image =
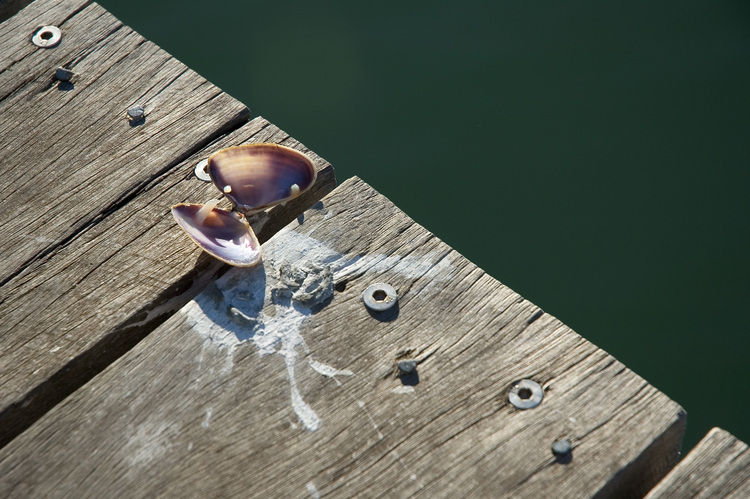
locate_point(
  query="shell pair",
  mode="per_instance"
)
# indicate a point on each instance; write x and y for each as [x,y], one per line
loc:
[254,177]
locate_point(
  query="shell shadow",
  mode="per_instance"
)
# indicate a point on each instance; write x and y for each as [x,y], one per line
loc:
[240,315]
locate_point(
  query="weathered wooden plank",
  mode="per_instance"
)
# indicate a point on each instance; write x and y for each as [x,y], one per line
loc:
[69,155]
[71,313]
[718,467]
[277,382]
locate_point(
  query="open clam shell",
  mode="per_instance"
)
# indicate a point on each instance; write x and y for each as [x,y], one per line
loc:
[223,234]
[257,176]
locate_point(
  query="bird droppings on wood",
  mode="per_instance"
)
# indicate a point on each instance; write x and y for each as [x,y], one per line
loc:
[205,423]
[268,304]
[328,371]
[403,389]
[312,490]
[309,284]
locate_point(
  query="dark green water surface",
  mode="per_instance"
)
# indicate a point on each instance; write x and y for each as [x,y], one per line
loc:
[593,156]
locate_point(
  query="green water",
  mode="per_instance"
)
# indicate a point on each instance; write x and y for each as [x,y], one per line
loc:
[593,157]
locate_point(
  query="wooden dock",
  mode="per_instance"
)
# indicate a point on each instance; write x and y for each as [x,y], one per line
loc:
[134,365]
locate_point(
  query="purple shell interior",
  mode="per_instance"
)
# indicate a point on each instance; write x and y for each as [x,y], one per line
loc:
[222,234]
[260,175]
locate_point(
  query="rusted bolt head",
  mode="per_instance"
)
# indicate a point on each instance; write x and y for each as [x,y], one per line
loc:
[63,74]
[561,448]
[136,113]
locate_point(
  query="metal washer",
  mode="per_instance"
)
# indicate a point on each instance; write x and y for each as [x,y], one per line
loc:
[380,297]
[47,37]
[201,170]
[526,394]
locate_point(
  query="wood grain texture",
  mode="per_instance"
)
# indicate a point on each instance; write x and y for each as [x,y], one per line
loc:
[69,155]
[718,467]
[85,197]
[216,401]
[71,313]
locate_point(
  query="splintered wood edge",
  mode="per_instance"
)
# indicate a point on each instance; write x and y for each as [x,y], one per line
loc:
[719,466]
[471,336]
[41,369]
